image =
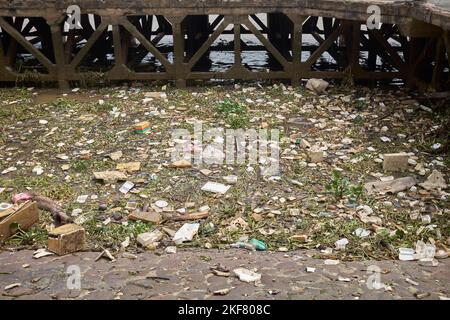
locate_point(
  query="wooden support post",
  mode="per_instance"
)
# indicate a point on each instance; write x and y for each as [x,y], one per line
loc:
[197,32]
[118,53]
[279,28]
[58,49]
[2,58]
[439,65]
[178,51]
[297,48]
[356,32]
[237,45]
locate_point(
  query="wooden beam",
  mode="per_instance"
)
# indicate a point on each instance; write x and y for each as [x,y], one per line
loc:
[24,43]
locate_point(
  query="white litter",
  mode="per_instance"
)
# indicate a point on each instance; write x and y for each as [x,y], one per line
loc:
[246,275]
[341,243]
[82,199]
[186,233]
[331,262]
[406,254]
[215,187]
[127,186]
[11,286]
[41,253]
[171,250]
[362,233]
[161,204]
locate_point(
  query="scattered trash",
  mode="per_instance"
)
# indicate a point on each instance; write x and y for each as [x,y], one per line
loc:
[66,239]
[152,217]
[215,187]
[131,205]
[142,127]
[107,254]
[8,170]
[150,239]
[222,292]
[124,244]
[310,269]
[129,167]
[116,155]
[436,146]
[82,199]
[5,206]
[109,177]
[38,170]
[423,252]
[365,214]
[13,285]
[343,279]
[246,275]
[317,86]
[258,244]
[23,215]
[205,172]
[393,186]
[331,262]
[435,180]
[126,187]
[315,155]
[361,233]
[161,204]
[171,250]
[129,255]
[40,253]
[302,238]
[186,233]
[180,164]
[341,244]
[44,203]
[243,245]
[230,179]
[395,162]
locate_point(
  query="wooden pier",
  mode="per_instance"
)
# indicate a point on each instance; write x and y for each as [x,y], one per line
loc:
[122,41]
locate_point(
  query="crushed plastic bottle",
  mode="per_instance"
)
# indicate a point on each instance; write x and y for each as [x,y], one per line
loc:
[258,244]
[243,245]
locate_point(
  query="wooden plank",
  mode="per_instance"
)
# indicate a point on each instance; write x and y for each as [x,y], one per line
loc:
[270,47]
[66,239]
[324,46]
[25,216]
[200,52]
[88,45]
[147,44]
[27,45]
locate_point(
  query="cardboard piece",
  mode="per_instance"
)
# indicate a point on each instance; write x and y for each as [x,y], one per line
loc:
[66,239]
[25,214]
[152,217]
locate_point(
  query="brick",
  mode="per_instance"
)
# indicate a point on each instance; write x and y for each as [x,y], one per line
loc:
[395,162]
[66,239]
[315,156]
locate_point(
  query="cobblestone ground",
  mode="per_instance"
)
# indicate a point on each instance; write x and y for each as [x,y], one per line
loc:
[187,275]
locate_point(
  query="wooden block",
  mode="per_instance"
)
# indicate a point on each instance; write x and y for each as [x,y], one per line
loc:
[395,162]
[66,239]
[142,127]
[152,217]
[25,215]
